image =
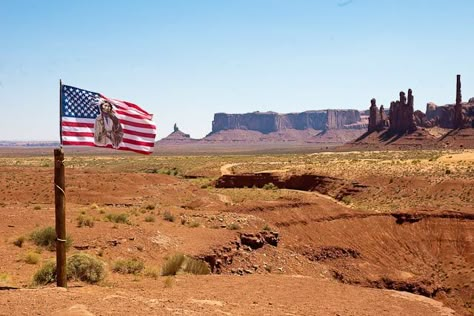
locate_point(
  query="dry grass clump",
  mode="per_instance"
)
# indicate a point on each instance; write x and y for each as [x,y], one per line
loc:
[128,266]
[270,186]
[150,207]
[180,263]
[167,216]
[168,282]
[194,224]
[46,237]
[267,228]
[233,226]
[150,219]
[32,257]
[85,220]
[4,278]
[346,199]
[118,218]
[152,272]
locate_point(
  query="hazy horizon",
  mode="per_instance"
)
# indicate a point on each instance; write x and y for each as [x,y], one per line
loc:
[183,61]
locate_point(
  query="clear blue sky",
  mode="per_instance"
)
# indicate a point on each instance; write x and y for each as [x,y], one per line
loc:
[186,60]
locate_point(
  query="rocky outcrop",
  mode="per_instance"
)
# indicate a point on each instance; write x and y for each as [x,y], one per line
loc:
[334,187]
[403,119]
[257,240]
[377,118]
[401,114]
[268,122]
[177,137]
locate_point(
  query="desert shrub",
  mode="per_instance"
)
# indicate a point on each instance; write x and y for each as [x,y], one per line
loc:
[46,237]
[233,226]
[19,241]
[4,277]
[172,264]
[132,266]
[168,282]
[180,263]
[346,199]
[118,218]
[171,172]
[85,220]
[86,268]
[267,228]
[150,207]
[79,266]
[32,257]
[150,219]
[46,274]
[195,266]
[447,171]
[194,224]
[167,216]
[152,272]
[37,207]
[270,186]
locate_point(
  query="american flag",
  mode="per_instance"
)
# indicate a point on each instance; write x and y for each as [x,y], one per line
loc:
[85,121]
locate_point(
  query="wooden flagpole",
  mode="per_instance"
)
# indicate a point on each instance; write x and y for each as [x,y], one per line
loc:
[60,112]
[60,205]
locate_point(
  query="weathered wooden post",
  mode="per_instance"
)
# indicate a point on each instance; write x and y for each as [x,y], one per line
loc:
[60,208]
[60,203]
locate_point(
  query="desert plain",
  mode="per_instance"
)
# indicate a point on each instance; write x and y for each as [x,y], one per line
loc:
[327,233]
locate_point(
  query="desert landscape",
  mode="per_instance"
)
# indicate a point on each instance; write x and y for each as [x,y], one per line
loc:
[236,158]
[333,233]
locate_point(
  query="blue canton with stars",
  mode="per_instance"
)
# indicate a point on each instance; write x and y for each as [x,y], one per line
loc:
[79,103]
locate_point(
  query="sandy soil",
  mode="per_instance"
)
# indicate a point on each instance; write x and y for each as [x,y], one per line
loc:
[357,257]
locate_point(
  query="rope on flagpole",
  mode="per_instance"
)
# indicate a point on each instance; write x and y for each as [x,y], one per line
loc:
[60,189]
[64,194]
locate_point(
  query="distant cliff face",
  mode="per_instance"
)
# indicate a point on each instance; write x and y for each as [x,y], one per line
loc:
[268,122]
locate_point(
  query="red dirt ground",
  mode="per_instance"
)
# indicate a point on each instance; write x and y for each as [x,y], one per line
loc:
[331,259]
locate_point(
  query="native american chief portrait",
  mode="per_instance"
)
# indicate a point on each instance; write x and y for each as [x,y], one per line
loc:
[107,128]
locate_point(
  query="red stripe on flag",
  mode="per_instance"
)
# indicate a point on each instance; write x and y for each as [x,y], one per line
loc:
[137,116]
[78,134]
[141,125]
[135,133]
[77,124]
[138,143]
[71,143]
[78,143]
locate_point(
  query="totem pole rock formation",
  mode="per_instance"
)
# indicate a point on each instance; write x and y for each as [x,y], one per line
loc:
[373,116]
[377,118]
[401,115]
[458,111]
[403,119]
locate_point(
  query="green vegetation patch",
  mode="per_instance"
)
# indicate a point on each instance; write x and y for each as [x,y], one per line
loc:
[46,237]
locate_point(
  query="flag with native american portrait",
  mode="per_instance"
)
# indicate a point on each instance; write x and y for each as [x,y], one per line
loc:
[92,119]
